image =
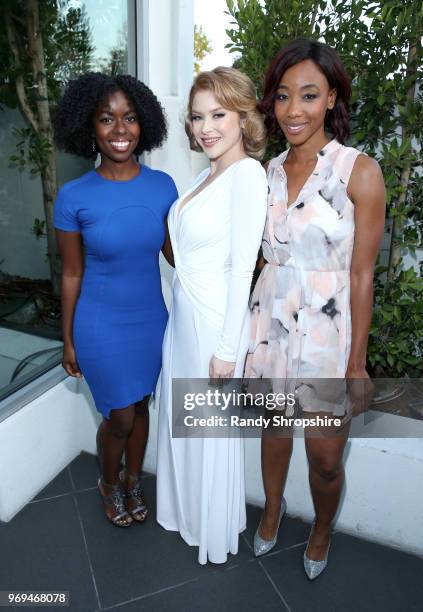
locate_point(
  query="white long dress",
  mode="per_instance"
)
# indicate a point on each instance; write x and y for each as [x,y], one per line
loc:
[215,239]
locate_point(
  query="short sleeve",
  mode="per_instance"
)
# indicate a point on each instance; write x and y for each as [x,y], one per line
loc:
[172,195]
[65,217]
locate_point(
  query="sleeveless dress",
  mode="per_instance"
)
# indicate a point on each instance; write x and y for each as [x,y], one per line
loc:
[120,316]
[215,239]
[301,316]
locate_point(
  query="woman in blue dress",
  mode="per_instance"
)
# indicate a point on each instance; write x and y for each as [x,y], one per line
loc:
[111,226]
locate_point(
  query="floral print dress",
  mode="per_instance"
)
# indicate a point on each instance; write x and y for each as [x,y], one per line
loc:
[301,302]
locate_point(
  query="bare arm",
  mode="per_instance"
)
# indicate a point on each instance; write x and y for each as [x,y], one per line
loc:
[367,191]
[260,259]
[167,248]
[70,246]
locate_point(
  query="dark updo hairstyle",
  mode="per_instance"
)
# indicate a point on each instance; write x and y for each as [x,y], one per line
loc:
[73,121]
[327,60]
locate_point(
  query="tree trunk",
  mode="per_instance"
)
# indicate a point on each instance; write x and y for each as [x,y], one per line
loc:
[48,172]
[49,184]
[314,17]
[398,223]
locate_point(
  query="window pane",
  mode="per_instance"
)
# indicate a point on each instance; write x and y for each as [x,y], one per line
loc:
[78,36]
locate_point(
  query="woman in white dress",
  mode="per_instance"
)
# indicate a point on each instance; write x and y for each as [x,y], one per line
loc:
[215,229]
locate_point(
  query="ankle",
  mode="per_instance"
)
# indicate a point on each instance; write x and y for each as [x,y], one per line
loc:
[321,529]
[272,506]
[131,475]
[109,485]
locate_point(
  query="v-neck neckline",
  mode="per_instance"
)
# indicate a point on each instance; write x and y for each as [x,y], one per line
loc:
[179,208]
[320,156]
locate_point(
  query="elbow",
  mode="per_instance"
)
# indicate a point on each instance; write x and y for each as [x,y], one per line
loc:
[363,275]
[361,283]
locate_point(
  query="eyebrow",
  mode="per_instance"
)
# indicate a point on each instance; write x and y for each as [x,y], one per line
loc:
[108,109]
[212,111]
[303,87]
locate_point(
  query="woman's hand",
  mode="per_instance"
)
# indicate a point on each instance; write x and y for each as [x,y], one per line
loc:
[356,372]
[69,363]
[360,388]
[221,369]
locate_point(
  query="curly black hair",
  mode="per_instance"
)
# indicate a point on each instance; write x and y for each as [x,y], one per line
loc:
[73,121]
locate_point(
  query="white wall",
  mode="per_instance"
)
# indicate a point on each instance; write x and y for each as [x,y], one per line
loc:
[37,442]
[166,65]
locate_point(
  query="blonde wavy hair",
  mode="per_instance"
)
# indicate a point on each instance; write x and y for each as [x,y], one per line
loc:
[235,92]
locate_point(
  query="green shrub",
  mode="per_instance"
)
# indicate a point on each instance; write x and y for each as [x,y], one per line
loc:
[379,42]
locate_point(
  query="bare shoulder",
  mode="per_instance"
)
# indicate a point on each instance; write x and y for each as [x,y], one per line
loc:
[366,178]
[366,166]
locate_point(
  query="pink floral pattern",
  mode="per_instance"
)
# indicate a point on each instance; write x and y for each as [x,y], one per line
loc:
[301,319]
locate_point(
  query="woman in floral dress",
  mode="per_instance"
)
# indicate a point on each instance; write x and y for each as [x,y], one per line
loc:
[313,300]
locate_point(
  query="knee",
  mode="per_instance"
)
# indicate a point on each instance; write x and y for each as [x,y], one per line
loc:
[119,425]
[326,469]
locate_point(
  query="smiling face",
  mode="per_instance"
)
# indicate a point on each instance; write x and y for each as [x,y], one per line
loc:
[216,129]
[302,99]
[116,127]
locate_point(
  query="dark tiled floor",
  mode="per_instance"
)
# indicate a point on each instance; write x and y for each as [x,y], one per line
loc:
[61,541]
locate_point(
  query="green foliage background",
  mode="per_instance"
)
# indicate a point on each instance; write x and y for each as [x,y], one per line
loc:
[67,48]
[202,47]
[380,43]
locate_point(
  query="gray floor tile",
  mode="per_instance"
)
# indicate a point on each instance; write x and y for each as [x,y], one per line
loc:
[140,559]
[244,587]
[148,569]
[60,485]
[43,549]
[360,576]
[85,471]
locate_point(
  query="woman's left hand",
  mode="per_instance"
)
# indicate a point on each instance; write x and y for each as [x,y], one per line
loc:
[219,368]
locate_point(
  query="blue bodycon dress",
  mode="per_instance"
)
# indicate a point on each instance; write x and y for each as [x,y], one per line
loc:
[120,316]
